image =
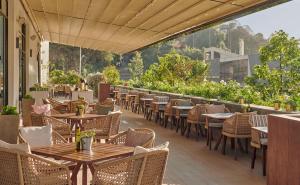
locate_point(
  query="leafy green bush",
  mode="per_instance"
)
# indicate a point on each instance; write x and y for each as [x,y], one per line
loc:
[111,75]
[60,77]
[9,110]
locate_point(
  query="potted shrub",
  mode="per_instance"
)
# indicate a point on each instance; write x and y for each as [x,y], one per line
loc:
[277,104]
[86,138]
[9,124]
[27,103]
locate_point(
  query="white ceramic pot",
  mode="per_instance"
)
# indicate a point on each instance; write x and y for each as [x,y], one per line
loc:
[86,143]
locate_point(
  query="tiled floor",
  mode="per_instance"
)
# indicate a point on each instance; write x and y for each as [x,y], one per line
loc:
[192,163]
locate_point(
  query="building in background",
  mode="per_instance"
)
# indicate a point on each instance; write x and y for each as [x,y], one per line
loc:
[225,65]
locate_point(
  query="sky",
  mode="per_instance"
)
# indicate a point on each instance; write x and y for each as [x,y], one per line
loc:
[284,16]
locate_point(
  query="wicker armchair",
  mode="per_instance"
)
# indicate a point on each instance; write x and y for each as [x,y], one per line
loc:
[180,116]
[73,105]
[22,168]
[141,169]
[106,127]
[170,112]
[155,109]
[237,127]
[258,139]
[59,126]
[58,106]
[195,118]
[67,91]
[158,110]
[120,139]
[146,104]
[137,103]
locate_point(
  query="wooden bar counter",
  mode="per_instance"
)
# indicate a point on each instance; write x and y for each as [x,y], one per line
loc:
[283,158]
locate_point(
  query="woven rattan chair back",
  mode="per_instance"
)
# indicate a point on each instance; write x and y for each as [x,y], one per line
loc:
[238,125]
[11,168]
[115,120]
[140,169]
[195,114]
[22,168]
[73,105]
[211,109]
[168,108]
[38,119]
[258,121]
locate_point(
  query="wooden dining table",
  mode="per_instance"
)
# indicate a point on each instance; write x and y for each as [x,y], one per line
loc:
[261,129]
[83,158]
[217,116]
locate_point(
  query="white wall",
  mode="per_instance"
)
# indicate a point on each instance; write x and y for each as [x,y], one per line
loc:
[16,10]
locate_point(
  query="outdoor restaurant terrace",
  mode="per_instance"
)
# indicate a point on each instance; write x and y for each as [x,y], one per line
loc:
[102,132]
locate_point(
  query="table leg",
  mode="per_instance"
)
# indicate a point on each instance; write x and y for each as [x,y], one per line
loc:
[84,174]
[218,142]
[75,173]
[91,168]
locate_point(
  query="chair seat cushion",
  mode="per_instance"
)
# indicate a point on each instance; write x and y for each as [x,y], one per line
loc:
[37,136]
[140,150]
[135,138]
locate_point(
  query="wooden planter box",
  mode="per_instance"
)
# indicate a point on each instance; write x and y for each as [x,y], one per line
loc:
[9,125]
[26,111]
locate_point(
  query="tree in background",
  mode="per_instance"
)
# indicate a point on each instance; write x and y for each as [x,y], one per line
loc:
[111,75]
[60,77]
[175,69]
[273,81]
[136,66]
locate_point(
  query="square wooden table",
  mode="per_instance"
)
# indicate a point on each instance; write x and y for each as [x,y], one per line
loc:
[181,115]
[222,116]
[84,158]
[261,129]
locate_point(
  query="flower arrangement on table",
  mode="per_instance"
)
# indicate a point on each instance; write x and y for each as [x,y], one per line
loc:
[86,139]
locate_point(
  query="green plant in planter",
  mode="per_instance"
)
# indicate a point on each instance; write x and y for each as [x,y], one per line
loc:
[88,133]
[27,96]
[9,110]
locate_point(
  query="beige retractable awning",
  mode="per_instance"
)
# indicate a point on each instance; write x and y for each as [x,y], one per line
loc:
[121,26]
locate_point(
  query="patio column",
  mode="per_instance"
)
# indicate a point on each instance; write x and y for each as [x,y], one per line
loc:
[13,55]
